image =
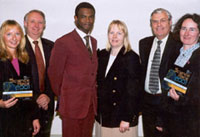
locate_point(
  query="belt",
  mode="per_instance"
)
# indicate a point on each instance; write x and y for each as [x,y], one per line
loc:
[149,94]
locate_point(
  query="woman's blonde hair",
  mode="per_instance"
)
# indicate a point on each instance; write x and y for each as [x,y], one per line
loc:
[21,52]
[122,26]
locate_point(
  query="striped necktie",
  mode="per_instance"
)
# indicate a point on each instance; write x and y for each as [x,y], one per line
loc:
[88,44]
[154,72]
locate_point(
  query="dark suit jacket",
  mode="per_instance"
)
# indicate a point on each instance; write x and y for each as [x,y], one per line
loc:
[183,115]
[47,47]
[17,120]
[144,49]
[118,90]
[73,75]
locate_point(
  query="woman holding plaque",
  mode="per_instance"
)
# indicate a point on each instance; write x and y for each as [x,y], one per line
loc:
[117,78]
[18,117]
[183,107]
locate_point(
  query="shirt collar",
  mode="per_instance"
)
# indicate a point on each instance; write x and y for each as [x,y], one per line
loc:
[31,40]
[190,50]
[81,33]
[163,40]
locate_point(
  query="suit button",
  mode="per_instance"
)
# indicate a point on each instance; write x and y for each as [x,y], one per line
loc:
[114,104]
[114,91]
[115,78]
[92,74]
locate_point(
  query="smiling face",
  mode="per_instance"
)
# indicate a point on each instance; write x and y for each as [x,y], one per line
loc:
[116,37]
[12,38]
[189,33]
[34,24]
[85,19]
[160,25]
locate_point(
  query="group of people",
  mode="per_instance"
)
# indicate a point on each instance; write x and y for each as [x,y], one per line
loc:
[109,87]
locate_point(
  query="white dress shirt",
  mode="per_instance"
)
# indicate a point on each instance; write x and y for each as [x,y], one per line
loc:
[40,46]
[153,49]
[82,35]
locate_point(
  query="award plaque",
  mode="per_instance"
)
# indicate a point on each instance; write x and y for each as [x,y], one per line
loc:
[178,79]
[19,88]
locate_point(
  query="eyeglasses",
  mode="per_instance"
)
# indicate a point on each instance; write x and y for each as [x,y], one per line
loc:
[191,29]
[162,21]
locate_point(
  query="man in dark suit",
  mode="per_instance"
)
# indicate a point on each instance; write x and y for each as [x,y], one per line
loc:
[161,22]
[34,23]
[72,73]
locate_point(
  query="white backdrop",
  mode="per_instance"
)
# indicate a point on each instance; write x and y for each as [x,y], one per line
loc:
[60,17]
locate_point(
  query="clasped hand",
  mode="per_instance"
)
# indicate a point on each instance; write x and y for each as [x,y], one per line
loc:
[124,126]
[43,101]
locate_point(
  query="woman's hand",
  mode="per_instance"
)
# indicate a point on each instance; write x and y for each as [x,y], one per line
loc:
[124,126]
[8,103]
[173,94]
[36,127]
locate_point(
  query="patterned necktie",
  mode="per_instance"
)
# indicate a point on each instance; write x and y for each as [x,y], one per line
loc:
[40,65]
[88,44]
[154,72]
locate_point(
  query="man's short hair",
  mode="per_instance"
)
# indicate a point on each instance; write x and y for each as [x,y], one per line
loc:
[37,11]
[161,10]
[83,5]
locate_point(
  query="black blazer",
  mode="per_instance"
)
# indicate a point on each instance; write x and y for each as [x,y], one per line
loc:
[47,47]
[145,45]
[118,92]
[17,120]
[187,109]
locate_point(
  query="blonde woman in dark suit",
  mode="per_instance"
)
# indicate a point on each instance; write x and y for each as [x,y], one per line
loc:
[117,78]
[19,118]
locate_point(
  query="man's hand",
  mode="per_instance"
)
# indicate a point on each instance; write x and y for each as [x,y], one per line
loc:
[159,129]
[36,127]
[43,101]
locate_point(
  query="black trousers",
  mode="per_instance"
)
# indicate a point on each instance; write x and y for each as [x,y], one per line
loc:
[45,123]
[183,125]
[150,111]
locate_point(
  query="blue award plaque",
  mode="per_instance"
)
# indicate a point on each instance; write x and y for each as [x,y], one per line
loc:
[178,79]
[19,88]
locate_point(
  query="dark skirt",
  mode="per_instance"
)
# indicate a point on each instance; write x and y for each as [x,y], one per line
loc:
[16,121]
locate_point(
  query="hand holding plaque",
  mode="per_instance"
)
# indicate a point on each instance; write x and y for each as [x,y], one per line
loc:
[178,79]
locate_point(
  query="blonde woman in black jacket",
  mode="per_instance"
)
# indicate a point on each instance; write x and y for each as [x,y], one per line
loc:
[18,118]
[117,78]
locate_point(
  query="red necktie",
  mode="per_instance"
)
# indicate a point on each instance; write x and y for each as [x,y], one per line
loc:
[40,65]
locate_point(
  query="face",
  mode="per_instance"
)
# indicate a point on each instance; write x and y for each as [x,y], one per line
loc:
[189,33]
[85,20]
[160,25]
[12,38]
[116,37]
[35,25]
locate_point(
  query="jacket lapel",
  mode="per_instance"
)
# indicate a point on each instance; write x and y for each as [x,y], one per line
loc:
[116,61]
[46,53]
[80,44]
[167,50]
[30,51]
